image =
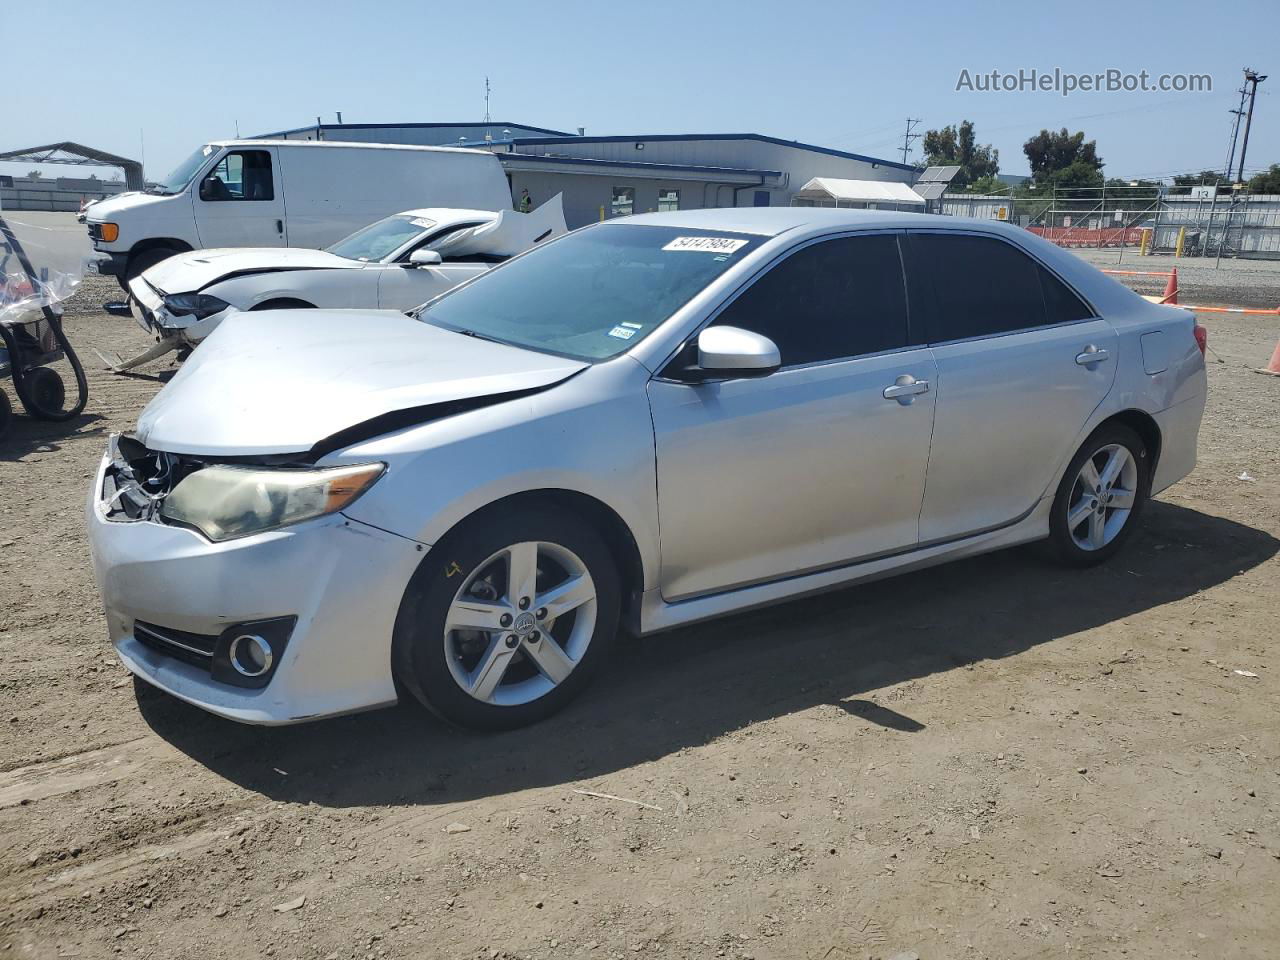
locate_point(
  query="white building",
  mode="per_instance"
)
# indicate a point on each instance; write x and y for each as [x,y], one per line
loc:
[603,177]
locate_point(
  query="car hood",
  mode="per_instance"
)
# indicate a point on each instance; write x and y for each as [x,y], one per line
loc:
[191,272]
[284,381]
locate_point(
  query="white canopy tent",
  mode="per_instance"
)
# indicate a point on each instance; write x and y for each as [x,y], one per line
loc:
[858,195]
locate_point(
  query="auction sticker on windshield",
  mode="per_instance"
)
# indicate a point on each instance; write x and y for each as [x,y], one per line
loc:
[706,244]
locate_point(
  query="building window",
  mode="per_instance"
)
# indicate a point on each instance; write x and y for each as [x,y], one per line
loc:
[624,201]
[668,200]
[761,198]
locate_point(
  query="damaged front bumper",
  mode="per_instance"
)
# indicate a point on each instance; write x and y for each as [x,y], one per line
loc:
[323,594]
[147,305]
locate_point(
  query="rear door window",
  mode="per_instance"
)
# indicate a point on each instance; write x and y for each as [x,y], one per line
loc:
[828,301]
[982,286]
[1061,305]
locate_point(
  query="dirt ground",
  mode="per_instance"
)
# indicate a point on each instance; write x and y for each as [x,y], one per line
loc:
[996,758]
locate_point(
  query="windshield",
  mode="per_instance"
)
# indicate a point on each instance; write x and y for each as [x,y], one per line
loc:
[593,294]
[382,238]
[183,173]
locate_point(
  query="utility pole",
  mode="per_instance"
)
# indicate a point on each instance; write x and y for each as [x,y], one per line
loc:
[1251,78]
[1238,112]
[908,137]
[486,101]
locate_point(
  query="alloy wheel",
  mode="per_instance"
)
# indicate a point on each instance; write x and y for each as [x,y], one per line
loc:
[1103,496]
[520,623]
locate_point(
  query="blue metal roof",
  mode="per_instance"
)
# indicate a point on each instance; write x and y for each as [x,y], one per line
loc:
[674,167]
[659,137]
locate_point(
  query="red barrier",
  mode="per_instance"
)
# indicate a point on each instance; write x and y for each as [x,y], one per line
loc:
[1084,237]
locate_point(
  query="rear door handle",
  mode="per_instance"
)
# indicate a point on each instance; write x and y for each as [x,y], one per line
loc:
[905,389]
[1090,355]
[280,227]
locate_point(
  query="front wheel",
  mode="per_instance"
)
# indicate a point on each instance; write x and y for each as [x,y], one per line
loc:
[507,618]
[1100,497]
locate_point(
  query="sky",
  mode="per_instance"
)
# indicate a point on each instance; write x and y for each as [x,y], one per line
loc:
[154,80]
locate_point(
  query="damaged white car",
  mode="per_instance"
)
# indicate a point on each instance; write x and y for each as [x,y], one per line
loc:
[393,264]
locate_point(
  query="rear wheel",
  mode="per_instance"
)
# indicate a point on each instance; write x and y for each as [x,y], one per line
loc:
[47,392]
[6,413]
[1100,497]
[507,618]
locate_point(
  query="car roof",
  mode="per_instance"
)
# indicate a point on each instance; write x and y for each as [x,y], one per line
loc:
[772,221]
[449,214]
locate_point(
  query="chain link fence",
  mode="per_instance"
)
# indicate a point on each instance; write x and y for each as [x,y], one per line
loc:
[1141,219]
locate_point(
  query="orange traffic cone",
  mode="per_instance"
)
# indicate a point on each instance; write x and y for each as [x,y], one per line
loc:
[1171,288]
[1273,367]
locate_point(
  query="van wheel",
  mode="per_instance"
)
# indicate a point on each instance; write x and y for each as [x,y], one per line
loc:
[1101,497]
[144,261]
[507,618]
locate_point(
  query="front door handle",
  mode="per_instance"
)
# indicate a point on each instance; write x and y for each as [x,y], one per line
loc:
[280,227]
[1091,354]
[905,389]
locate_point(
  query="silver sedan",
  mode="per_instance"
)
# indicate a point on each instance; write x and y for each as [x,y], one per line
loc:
[641,425]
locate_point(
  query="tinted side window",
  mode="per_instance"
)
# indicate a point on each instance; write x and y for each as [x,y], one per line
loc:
[834,299]
[981,285]
[1061,305]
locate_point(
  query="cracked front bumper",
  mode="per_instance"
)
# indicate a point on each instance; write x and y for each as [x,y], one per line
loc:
[343,580]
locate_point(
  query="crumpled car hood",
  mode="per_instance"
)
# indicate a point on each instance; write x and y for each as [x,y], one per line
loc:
[191,272]
[283,381]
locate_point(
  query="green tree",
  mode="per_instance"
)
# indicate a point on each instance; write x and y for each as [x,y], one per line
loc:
[1196,179]
[1266,182]
[956,146]
[1063,159]
[990,184]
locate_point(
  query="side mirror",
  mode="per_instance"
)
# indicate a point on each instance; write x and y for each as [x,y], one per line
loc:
[206,190]
[425,258]
[732,350]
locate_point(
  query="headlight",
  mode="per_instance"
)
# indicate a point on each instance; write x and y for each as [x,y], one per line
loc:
[198,305]
[224,502]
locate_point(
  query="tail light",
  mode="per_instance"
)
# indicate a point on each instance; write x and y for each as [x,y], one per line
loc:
[1202,338]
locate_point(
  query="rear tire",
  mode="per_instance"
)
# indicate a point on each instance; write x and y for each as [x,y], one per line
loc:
[48,393]
[1101,497]
[6,413]
[546,641]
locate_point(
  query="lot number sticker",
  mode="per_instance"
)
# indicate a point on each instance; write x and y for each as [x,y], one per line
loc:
[705,245]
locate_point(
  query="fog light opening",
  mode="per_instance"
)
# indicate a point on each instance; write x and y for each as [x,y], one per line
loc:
[250,655]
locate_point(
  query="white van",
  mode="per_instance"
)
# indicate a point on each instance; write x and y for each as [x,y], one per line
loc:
[277,193]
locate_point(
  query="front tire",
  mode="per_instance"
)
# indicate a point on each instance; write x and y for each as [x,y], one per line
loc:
[139,263]
[507,617]
[1101,497]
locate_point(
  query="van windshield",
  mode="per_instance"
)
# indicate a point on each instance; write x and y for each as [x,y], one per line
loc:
[382,238]
[592,294]
[183,172]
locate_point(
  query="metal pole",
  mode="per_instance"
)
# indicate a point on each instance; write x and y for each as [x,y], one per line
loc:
[1252,78]
[1226,232]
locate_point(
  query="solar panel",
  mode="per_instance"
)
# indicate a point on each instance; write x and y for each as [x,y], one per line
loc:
[930,191]
[939,174]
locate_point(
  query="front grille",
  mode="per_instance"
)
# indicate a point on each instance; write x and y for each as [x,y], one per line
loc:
[95,231]
[193,648]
